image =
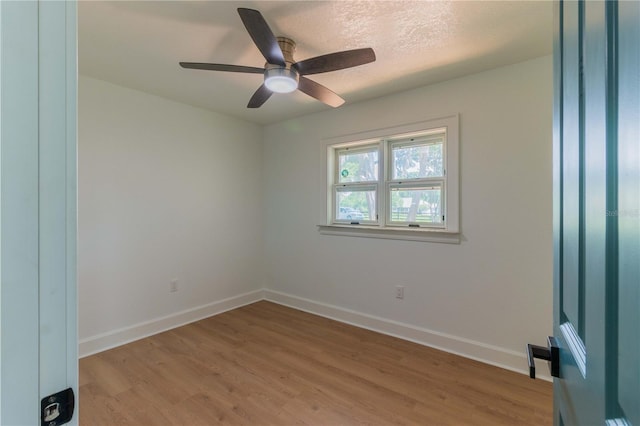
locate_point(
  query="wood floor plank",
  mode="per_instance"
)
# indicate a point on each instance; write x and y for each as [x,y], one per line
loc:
[266,364]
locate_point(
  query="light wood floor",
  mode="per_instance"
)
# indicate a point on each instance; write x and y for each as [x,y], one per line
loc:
[266,364]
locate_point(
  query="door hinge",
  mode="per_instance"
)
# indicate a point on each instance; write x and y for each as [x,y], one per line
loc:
[57,409]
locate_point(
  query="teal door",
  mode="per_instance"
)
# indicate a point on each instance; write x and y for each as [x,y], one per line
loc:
[597,212]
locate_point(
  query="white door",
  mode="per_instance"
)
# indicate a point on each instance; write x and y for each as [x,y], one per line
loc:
[38,344]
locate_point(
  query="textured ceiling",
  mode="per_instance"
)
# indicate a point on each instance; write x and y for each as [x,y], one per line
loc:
[139,45]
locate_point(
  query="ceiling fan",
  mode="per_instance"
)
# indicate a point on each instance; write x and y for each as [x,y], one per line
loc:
[281,73]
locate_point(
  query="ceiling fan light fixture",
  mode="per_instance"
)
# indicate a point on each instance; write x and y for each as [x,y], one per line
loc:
[281,80]
[282,73]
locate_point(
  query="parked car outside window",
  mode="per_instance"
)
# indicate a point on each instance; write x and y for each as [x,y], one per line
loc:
[350,213]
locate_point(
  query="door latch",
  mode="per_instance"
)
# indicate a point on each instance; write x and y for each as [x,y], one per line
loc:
[550,354]
[57,409]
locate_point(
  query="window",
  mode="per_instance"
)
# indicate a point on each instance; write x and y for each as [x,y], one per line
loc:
[401,181]
[417,182]
[356,184]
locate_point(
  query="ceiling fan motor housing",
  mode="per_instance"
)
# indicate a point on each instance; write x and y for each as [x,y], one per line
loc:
[282,79]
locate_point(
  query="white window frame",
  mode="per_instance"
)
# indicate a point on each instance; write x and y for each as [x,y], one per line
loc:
[365,185]
[384,227]
[391,182]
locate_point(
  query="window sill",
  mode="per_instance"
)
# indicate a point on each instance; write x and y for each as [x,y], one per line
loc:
[426,235]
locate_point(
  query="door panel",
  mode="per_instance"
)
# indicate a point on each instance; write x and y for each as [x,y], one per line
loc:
[19,212]
[628,212]
[597,211]
[571,154]
[53,197]
[579,223]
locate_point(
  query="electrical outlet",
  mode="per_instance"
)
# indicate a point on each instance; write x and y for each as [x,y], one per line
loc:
[173,286]
[399,292]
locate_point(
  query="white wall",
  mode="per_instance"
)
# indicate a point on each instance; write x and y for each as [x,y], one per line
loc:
[166,191]
[486,297]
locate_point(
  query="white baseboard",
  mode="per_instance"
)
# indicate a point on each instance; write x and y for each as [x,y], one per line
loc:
[488,354]
[111,339]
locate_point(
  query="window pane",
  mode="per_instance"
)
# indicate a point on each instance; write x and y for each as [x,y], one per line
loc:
[416,205]
[417,161]
[356,206]
[357,166]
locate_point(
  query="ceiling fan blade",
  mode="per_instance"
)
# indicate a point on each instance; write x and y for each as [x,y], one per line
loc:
[335,61]
[221,67]
[262,35]
[259,97]
[319,92]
